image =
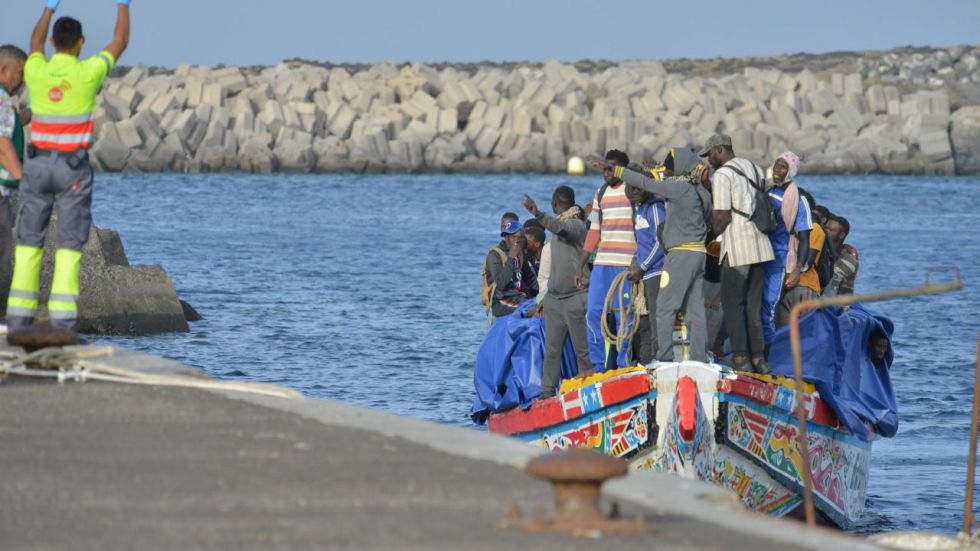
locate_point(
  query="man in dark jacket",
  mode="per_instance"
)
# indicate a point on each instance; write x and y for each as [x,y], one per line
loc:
[512,276]
[566,303]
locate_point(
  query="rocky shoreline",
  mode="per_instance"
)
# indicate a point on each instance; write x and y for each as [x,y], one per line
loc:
[906,111]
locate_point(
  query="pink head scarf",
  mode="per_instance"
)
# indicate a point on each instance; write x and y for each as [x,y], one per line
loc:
[793,161]
[791,203]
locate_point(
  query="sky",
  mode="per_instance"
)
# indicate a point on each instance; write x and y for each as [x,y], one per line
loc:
[249,32]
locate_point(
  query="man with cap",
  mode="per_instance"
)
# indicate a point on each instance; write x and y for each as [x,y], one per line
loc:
[509,272]
[744,250]
[57,173]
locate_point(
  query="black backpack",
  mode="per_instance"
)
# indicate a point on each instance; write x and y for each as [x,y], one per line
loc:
[764,215]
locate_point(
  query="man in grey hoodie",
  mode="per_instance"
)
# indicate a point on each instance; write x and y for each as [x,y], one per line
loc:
[565,303]
[684,234]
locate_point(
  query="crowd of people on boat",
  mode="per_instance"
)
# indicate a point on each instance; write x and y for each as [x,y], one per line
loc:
[703,236]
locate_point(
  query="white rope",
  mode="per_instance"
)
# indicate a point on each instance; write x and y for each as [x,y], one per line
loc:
[78,365]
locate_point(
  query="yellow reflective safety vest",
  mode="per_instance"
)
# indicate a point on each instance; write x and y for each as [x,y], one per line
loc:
[63,90]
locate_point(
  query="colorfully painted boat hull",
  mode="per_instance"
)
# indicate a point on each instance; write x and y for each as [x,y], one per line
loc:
[705,422]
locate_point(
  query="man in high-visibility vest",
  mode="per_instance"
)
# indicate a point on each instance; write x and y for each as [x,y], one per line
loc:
[57,172]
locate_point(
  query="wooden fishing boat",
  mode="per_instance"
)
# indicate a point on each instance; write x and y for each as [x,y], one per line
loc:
[706,422]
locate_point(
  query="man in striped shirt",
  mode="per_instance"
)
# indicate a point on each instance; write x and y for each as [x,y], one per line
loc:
[611,237]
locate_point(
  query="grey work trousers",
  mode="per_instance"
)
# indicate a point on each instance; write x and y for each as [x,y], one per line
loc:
[563,317]
[48,183]
[646,334]
[682,289]
[741,302]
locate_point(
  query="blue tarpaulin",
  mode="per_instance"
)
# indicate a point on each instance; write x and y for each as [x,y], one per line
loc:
[834,345]
[509,364]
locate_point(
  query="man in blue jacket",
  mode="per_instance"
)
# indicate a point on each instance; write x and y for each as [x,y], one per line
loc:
[647,265]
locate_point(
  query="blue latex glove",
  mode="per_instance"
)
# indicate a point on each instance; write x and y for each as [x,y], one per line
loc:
[122,2]
[53,4]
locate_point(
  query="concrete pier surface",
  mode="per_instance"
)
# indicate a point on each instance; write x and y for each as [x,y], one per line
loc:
[101,465]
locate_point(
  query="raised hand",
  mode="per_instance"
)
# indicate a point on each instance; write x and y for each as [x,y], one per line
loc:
[596,162]
[530,205]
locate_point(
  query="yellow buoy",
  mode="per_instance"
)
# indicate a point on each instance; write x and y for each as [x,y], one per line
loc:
[576,166]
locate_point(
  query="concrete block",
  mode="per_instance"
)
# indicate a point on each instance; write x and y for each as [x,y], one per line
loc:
[419,131]
[677,98]
[786,119]
[135,75]
[195,92]
[291,118]
[876,100]
[478,111]
[214,95]
[273,116]
[935,146]
[494,117]
[473,129]
[808,143]
[163,103]
[197,136]
[259,95]
[894,107]
[853,84]
[230,79]
[128,134]
[486,141]
[837,84]
[520,122]
[147,124]
[111,151]
[823,102]
[340,124]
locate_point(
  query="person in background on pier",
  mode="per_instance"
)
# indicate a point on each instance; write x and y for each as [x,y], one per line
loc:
[567,290]
[611,238]
[795,223]
[12,61]
[63,92]
[803,283]
[744,251]
[685,229]
[847,263]
[509,275]
[647,265]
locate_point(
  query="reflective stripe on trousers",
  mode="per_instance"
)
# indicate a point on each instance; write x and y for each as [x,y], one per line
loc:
[63,302]
[24,285]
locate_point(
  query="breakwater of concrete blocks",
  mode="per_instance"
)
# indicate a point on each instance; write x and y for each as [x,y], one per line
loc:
[891,113]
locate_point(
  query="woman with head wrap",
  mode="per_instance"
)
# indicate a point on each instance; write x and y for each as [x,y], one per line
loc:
[797,222]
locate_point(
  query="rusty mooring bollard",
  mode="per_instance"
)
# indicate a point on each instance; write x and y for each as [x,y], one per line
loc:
[42,336]
[576,475]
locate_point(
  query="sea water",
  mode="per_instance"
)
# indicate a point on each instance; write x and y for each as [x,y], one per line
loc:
[366,289]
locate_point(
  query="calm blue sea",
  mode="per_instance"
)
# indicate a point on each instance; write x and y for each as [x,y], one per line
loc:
[365,289]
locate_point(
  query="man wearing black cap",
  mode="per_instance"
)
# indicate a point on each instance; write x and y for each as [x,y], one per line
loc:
[744,250]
